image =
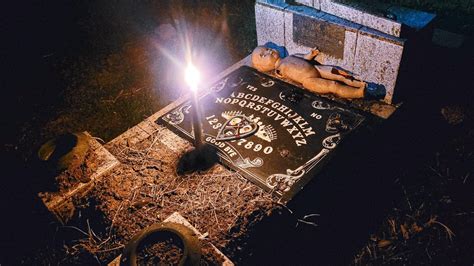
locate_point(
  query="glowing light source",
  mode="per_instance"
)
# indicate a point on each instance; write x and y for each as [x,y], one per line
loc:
[192,77]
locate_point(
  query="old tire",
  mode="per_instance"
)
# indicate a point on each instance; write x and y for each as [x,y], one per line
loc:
[192,246]
[65,152]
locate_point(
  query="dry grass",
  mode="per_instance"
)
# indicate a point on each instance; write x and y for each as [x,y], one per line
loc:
[432,221]
[145,190]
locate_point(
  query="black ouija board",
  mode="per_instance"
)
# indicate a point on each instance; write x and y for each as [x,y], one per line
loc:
[296,130]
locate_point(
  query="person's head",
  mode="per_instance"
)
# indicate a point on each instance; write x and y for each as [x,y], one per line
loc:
[264,59]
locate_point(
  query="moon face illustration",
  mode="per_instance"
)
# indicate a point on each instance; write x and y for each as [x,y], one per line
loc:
[246,128]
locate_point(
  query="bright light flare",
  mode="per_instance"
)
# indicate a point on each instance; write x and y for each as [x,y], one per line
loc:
[192,76]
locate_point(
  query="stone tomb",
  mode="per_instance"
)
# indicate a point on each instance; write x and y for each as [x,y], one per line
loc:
[296,131]
[370,44]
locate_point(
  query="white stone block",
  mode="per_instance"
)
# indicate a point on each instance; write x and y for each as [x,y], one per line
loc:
[305,2]
[362,17]
[378,58]
[350,44]
[317,4]
[269,20]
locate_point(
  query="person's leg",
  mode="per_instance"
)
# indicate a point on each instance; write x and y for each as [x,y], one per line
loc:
[325,86]
[332,73]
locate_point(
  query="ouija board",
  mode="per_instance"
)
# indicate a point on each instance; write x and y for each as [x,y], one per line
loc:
[289,133]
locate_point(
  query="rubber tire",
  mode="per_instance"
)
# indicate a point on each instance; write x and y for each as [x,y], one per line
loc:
[71,157]
[191,243]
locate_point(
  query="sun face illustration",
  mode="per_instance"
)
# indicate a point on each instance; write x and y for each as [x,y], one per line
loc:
[235,121]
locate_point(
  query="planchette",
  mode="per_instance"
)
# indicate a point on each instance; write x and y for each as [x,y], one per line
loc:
[237,127]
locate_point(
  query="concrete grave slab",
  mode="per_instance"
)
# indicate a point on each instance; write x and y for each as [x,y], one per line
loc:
[317,4]
[172,141]
[149,127]
[131,136]
[270,22]
[350,42]
[378,58]
[361,16]
[351,46]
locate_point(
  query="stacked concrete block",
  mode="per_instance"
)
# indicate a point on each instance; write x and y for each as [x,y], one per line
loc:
[350,44]
[317,4]
[372,53]
[362,17]
[270,16]
[377,59]
[385,18]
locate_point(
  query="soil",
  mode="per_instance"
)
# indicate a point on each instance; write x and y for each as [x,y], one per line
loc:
[169,249]
[69,178]
[209,254]
[160,249]
[150,172]
[145,189]
[82,173]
